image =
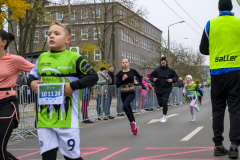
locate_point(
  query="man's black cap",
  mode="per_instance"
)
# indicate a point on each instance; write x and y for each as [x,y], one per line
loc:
[103,68]
[225,5]
[164,58]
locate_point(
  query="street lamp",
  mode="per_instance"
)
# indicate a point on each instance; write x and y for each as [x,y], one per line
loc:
[168,34]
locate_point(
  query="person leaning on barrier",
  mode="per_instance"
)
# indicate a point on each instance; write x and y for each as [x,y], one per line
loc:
[102,87]
[10,66]
[220,40]
[111,91]
[163,77]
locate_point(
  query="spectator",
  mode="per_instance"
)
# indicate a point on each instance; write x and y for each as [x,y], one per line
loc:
[141,100]
[199,95]
[102,87]
[86,94]
[111,91]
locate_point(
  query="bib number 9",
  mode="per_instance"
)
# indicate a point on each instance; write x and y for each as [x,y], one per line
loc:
[71,143]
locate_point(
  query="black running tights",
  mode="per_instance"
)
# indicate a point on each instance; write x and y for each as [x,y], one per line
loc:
[52,155]
[6,129]
[127,98]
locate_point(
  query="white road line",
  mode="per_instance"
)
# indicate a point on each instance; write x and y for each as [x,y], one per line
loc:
[190,135]
[159,120]
[211,118]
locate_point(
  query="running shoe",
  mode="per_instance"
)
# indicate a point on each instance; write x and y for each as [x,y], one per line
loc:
[193,119]
[197,108]
[133,126]
[233,152]
[135,132]
[164,120]
[220,151]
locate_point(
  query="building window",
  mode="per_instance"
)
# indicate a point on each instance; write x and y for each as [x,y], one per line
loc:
[36,37]
[84,14]
[73,15]
[121,15]
[84,34]
[122,53]
[72,34]
[122,34]
[96,33]
[18,48]
[97,13]
[84,54]
[46,34]
[18,30]
[59,16]
[127,36]
[48,16]
[97,54]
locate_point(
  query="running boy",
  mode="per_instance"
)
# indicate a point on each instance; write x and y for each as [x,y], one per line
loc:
[58,125]
[190,90]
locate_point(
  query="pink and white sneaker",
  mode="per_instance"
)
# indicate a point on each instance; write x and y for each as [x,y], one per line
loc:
[135,132]
[133,126]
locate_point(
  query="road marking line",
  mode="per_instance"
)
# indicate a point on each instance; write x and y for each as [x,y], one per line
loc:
[211,118]
[159,120]
[190,135]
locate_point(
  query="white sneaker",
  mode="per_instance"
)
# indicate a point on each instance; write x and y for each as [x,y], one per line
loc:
[164,120]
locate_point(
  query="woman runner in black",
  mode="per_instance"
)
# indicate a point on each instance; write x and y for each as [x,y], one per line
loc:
[125,79]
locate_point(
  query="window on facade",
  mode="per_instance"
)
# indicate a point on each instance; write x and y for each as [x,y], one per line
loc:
[73,15]
[96,13]
[121,14]
[73,34]
[17,47]
[48,16]
[18,30]
[46,34]
[122,34]
[122,53]
[84,54]
[36,37]
[59,16]
[96,33]
[84,34]
[97,55]
[84,14]
[127,36]
[125,54]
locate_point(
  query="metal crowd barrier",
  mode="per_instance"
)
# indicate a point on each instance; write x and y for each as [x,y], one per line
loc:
[97,103]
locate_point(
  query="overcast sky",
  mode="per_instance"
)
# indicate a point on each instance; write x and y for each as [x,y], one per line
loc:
[200,10]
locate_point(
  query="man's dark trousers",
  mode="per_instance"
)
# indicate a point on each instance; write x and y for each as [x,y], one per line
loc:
[226,91]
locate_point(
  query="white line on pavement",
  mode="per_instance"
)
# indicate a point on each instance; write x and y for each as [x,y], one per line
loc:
[159,120]
[190,135]
[211,118]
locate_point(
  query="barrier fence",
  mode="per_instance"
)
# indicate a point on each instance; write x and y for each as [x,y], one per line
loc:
[97,103]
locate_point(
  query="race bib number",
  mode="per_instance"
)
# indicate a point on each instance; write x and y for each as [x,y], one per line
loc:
[190,94]
[50,93]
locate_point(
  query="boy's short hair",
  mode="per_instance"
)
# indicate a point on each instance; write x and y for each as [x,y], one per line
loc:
[66,28]
[111,66]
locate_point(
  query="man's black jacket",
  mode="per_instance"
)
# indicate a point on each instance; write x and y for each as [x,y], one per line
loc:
[162,74]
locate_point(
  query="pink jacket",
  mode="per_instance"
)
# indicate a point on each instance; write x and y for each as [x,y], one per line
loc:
[10,66]
[144,91]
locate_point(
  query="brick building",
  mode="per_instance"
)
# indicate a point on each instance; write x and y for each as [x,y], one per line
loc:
[132,36]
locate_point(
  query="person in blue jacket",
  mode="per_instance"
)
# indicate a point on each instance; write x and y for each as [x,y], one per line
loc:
[199,95]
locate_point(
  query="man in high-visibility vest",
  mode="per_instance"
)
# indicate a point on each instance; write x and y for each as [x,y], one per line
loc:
[221,40]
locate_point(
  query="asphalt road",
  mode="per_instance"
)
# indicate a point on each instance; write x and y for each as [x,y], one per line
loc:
[178,139]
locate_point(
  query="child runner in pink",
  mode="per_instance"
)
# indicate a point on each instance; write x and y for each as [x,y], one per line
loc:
[190,90]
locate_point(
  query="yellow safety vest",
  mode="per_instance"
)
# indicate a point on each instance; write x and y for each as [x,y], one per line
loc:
[224,42]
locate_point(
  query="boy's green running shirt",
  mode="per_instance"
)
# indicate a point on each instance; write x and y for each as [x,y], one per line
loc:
[61,67]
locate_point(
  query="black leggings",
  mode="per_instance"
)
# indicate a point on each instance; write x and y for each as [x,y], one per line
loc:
[52,155]
[162,101]
[200,100]
[6,129]
[127,98]
[8,122]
